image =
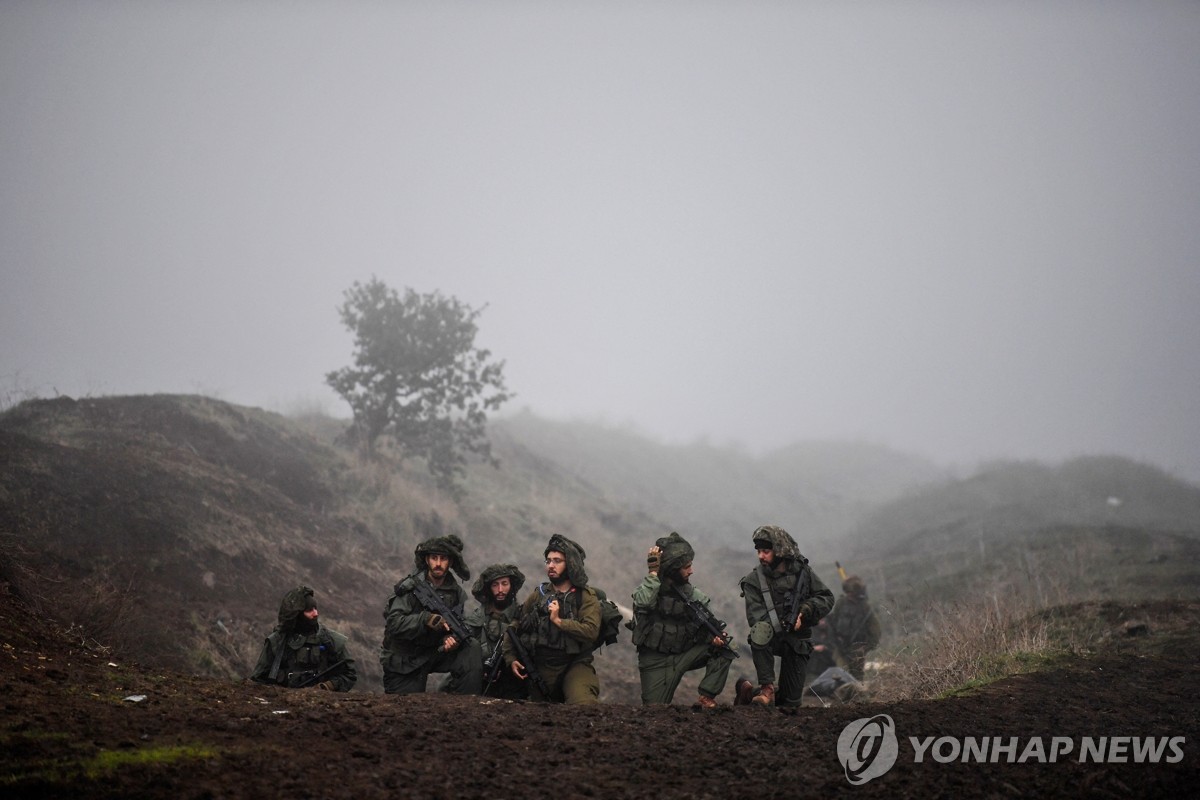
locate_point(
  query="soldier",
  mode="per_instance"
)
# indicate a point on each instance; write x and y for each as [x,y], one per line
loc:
[670,639]
[557,627]
[854,627]
[418,639]
[301,652]
[496,590]
[781,584]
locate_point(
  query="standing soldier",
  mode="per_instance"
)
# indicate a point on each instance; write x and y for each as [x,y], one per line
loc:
[854,627]
[424,629]
[784,599]
[301,652]
[496,590]
[669,633]
[552,641]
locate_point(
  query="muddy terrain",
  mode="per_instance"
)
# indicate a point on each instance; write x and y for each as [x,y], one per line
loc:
[73,728]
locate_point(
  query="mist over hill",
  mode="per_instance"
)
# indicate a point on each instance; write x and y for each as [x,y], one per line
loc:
[1007,498]
[169,526]
[818,491]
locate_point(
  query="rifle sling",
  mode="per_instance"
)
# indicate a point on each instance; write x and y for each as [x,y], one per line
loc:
[283,637]
[776,625]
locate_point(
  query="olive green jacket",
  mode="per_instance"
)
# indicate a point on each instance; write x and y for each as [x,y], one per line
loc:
[816,603]
[853,624]
[579,615]
[408,642]
[662,622]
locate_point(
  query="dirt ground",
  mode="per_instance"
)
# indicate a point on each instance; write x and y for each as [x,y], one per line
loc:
[68,731]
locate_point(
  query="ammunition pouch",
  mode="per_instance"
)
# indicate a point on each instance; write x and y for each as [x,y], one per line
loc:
[761,634]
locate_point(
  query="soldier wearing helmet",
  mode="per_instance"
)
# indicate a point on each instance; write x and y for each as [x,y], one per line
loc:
[670,640]
[303,653]
[558,625]
[854,627]
[417,641]
[782,580]
[496,590]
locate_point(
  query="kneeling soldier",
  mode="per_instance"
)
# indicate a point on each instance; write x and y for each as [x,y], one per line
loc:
[673,629]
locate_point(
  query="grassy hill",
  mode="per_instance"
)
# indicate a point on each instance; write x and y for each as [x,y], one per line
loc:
[169,526]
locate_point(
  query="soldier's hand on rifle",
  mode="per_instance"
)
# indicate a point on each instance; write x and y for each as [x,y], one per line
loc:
[552,607]
[654,559]
[518,669]
[719,641]
[799,622]
[448,644]
[325,686]
[435,622]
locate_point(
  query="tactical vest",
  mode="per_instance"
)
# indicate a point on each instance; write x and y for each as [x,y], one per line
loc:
[544,634]
[782,589]
[850,623]
[304,655]
[494,623]
[669,627]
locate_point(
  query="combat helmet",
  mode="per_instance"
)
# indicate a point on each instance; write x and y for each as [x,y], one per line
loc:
[293,605]
[481,591]
[780,541]
[854,587]
[676,554]
[450,546]
[574,554]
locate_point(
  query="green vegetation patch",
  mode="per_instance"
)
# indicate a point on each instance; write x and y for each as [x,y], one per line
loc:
[30,762]
[107,761]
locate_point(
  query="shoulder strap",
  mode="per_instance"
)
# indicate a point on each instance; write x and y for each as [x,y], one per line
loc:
[278,657]
[776,625]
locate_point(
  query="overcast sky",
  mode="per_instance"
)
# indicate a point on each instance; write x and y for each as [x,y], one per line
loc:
[966,230]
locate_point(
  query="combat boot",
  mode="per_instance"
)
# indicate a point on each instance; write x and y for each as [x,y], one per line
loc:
[766,695]
[743,690]
[705,702]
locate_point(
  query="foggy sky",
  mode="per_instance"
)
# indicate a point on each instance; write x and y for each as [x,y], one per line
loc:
[968,232]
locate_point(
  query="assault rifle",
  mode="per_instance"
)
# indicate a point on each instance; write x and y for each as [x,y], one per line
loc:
[492,666]
[527,662]
[302,680]
[802,590]
[708,621]
[434,604]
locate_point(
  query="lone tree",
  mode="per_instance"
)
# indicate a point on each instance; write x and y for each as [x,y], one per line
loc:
[418,381]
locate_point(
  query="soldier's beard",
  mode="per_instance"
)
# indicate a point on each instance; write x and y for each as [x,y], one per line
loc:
[307,626]
[502,604]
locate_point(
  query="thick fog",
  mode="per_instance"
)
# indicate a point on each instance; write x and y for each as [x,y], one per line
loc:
[964,230]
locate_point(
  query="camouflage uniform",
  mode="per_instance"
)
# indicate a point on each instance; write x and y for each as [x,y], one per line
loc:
[308,648]
[411,650]
[670,642]
[488,623]
[562,655]
[854,627]
[789,572]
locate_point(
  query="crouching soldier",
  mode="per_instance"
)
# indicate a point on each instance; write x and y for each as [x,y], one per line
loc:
[496,590]
[301,652]
[784,599]
[550,646]
[673,629]
[424,630]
